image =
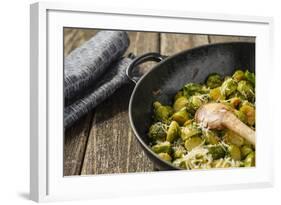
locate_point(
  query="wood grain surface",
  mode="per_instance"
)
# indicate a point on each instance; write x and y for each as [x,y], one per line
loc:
[102,142]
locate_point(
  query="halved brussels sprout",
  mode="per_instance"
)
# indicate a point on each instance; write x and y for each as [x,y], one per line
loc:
[234,152]
[217,151]
[162,147]
[238,75]
[193,142]
[173,131]
[189,131]
[191,89]
[162,112]
[180,103]
[250,77]
[228,87]
[181,116]
[246,89]
[165,156]
[250,160]
[214,80]
[249,110]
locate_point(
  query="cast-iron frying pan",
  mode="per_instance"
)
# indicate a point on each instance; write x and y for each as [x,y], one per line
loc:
[172,73]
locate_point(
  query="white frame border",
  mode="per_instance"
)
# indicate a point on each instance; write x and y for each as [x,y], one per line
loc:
[39,175]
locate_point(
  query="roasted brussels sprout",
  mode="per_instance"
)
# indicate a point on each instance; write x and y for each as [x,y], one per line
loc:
[189,131]
[180,162]
[162,147]
[217,151]
[180,103]
[178,151]
[196,101]
[228,87]
[165,156]
[234,102]
[192,142]
[214,80]
[249,110]
[234,152]
[158,131]
[245,150]
[250,77]
[191,89]
[216,94]
[231,137]
[238,75]
[161,112]
[246,89]
[250,160]
[210,137]
[181,116]
[173,131]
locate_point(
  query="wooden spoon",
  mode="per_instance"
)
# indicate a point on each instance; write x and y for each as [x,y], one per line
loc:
[219,116]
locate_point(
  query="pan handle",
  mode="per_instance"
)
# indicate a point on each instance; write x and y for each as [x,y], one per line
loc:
[139,60]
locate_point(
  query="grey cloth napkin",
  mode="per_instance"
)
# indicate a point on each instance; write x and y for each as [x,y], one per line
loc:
[113,79]
[84,65]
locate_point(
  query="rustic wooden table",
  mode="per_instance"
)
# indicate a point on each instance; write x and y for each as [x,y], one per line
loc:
[102,142]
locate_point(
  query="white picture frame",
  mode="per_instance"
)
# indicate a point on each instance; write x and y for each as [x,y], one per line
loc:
[46,139]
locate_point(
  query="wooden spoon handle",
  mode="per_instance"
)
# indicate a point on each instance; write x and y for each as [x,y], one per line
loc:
[234,124]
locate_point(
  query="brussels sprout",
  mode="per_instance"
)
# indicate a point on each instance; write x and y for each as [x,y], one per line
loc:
[211,137]
[231,137]
[228,87]
[249,110]
[234,152]
[173,131]
[240,115]
[189,131]
[235,102]
[238,75]
[246,89]
[245,150]
[250,77]
[178,151]
[214,80]
[165,156]
[162,147]
[250,160]
[180,162]
[181,116]
[196,101]
[192,143]
[188,122]
[180,103]
[217,151]
[191,89]
[161,112]
[216,94]
[158,131]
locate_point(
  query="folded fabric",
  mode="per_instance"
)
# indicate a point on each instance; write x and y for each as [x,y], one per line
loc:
[113,79]
[84,65]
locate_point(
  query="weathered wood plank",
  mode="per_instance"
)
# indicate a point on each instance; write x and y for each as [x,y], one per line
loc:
[112,147]
[220,39]
[75,140]
[141,43]
[173,43]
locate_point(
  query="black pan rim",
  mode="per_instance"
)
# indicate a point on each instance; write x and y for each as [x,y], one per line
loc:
[146,147]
